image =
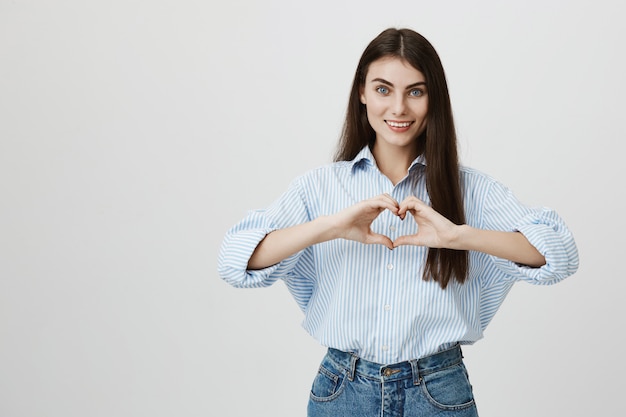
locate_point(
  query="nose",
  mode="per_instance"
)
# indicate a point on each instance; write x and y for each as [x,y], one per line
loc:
[399,106]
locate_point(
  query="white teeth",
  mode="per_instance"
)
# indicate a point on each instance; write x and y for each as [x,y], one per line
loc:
[396,124]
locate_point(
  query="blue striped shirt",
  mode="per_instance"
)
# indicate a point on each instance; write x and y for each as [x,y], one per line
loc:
[373,301]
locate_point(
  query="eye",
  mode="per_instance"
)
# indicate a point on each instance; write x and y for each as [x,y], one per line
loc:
[416,92]
[382,90]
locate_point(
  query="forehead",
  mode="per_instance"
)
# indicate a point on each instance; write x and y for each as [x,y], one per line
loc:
[394,70]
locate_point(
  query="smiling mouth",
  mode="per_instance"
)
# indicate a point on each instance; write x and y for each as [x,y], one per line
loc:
[398,124]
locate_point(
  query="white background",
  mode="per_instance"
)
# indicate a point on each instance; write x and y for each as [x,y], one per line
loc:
[133,134]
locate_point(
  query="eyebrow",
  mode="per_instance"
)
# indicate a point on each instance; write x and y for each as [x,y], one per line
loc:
[383,81]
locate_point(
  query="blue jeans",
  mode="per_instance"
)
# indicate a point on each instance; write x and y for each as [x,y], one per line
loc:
[347,386]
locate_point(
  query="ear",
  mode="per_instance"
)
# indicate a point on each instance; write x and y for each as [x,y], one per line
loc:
[362,95]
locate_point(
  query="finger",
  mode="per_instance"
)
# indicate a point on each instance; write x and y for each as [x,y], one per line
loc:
[390,198]
[390,203]
[412,202]
[405,207]
[382,203]
[415,206]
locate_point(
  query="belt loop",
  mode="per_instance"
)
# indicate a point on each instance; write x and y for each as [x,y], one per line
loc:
[416,372]
[352,372]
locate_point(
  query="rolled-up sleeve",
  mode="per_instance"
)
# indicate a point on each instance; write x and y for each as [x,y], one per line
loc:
[243,238]
[543,228]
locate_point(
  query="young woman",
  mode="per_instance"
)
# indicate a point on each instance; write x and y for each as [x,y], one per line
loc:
[395,253]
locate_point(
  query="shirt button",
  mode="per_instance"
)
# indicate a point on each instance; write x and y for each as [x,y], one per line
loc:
[385,348]
[390,266]
[387,307]
[392,228]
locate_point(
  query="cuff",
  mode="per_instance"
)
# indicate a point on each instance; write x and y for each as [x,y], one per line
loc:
[560,262]
[234,256]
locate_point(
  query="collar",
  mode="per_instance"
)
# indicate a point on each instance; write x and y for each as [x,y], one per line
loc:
[366,158]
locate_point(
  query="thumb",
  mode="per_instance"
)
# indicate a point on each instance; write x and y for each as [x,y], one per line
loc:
[381,240]
[406,240]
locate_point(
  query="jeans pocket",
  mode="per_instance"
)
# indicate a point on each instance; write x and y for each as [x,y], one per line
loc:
[449,388]
[328,383]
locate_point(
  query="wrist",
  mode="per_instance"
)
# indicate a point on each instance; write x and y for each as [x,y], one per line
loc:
[327,228]
[462,237]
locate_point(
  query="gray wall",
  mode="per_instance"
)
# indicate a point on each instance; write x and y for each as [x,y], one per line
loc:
[134,133]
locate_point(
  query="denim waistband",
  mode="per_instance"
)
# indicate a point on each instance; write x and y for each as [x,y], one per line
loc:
[414,368]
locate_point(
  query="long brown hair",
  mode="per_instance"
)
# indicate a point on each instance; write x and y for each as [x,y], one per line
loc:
[437,143]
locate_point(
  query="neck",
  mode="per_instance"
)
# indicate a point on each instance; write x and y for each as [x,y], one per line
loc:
[393,161]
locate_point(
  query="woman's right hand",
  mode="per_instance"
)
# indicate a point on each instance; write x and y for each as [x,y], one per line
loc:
[354,222]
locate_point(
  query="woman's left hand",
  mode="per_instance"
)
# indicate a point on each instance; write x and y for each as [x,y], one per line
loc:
[433,230]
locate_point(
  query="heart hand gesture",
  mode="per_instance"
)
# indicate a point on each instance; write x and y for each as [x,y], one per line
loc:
[434,230]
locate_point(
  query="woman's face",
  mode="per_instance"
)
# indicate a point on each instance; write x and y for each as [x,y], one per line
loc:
[396,100]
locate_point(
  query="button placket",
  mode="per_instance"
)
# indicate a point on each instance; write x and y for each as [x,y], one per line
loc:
[387,295]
